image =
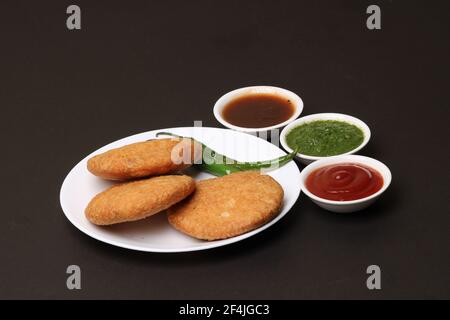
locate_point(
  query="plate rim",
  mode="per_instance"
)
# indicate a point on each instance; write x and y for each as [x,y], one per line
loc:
[208,245]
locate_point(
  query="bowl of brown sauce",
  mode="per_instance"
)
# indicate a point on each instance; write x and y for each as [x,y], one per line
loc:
[258,108]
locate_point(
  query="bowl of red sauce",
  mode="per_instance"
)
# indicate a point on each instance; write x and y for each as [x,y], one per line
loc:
[345,183]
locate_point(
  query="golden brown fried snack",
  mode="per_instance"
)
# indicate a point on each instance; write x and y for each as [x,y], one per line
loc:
[228,206]
[136,200]
[142,159]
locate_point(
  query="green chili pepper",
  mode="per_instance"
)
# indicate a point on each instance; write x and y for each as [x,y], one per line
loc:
[220,165]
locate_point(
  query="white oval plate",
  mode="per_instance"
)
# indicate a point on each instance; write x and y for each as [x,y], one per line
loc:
[155,234]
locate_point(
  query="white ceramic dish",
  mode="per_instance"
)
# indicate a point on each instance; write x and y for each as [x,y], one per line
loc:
[346,206]
[154,234]
[324,116]
[230,96]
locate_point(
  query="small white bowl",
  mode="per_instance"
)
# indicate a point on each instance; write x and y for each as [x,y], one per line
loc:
[346,206]
[306,159]
[232,95]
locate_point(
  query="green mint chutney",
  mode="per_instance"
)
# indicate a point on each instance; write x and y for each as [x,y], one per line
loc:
[324,138]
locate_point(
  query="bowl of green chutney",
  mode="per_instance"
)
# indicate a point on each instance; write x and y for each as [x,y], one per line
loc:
[324,135]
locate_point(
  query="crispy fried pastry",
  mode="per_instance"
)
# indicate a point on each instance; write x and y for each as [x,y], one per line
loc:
[136,200]
[143,159]
[228,206]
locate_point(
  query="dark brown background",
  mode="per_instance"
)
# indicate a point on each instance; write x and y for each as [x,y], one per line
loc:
[142,65]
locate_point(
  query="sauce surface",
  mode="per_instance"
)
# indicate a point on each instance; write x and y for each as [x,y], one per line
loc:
[258,110]
[324,138]
[344,182]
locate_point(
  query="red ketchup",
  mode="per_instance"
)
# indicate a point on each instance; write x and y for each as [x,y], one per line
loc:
[344,182]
